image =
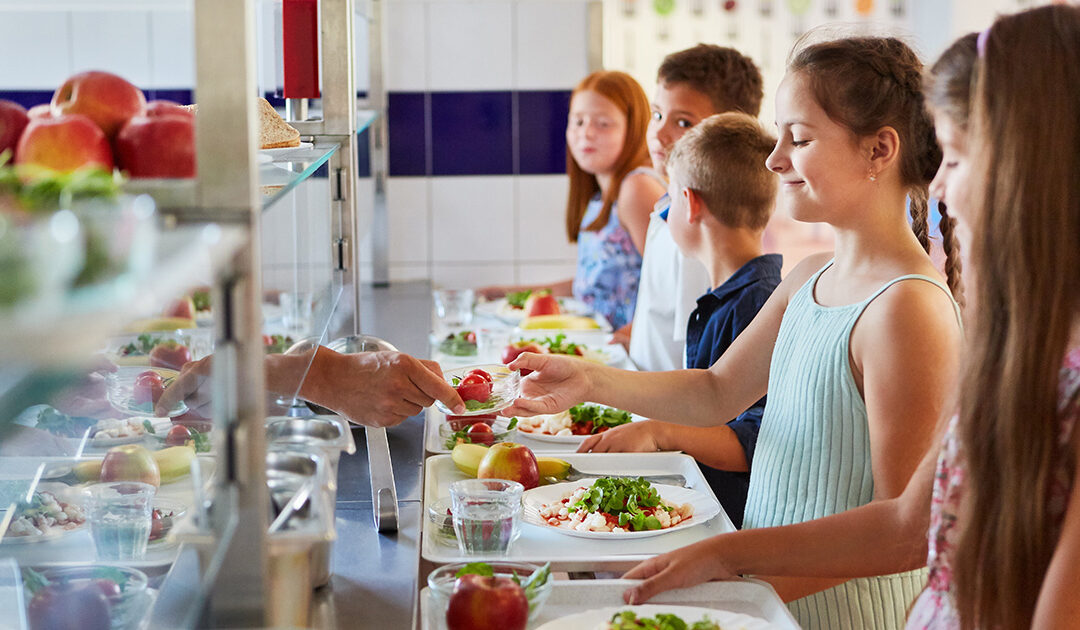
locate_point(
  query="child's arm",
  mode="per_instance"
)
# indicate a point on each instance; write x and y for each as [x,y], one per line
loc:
[637,196]
[1058,606]
[726,447]
[879,538]
[689,397]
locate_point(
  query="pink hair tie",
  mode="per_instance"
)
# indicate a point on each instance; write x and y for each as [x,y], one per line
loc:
[980,43]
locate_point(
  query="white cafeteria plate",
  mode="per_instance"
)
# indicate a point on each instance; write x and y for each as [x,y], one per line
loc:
[705,507]
[501,310]
[568,553]
[595,619]
[282,152]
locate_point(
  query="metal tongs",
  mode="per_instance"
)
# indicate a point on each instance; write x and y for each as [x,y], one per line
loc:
[295,504]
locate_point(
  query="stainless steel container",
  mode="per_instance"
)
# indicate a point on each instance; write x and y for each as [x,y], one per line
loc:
[309,529]
[327,435]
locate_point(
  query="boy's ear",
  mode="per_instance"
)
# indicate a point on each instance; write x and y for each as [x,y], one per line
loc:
[695,205]
[883,148]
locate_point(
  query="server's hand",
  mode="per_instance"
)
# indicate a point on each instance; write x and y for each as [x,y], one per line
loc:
[377,389]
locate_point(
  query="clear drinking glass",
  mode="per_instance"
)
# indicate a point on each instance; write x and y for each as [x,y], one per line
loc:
[453,308]
[486,514]
[119,517]
[296,311]
[490,343]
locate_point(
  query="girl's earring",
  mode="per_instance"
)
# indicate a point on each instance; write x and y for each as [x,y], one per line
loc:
[873,175]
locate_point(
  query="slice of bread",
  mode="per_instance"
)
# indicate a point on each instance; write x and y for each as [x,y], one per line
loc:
[274,132]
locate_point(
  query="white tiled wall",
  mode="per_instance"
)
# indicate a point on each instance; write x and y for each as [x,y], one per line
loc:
[406,46]
[550,43]
[117,41]
[469,45]
[42,43]
[172,48]
[472,219]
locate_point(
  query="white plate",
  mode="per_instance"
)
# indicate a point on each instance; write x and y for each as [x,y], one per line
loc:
[500,309]
[563,439]
[506,387]
[104,442]
[278,153]
[705,507]
[595,619]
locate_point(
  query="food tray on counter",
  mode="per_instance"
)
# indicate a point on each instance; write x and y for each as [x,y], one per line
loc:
[76,547]
[435,443]
[569,553]
[568,597]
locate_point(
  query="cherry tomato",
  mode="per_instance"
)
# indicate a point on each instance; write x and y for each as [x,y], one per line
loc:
[478,372]
[471,338]
[178,435]
[148,387]
[460,423]
[481,433]
[474,387]
[268,340]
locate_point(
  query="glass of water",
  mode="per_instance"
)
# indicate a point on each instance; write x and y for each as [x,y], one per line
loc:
[486,514]
[453,308]
[119,517]
[490,343]
[296,311]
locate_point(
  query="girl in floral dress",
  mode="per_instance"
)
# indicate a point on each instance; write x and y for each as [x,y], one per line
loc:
[1000,498]
[612,192]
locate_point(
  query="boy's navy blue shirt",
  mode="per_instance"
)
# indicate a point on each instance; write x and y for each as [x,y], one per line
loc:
[720,316]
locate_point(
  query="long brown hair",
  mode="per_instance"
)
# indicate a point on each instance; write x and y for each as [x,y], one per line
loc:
[622,90]
[866,83]
[948,91]
[1025,130]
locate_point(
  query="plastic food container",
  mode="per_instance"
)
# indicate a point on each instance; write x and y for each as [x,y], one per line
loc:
[128,607]
[441,581]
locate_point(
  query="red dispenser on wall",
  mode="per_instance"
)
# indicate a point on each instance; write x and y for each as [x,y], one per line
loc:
[300,43]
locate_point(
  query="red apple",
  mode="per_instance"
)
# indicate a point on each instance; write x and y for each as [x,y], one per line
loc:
[460,423]
[512,351]
[13,120]
[148,387]
[162,107]
[130,462]
[162,145]
[39,111]
[183,307]
[107,99]
[169,354]
[507,460]
[481,433]
[69,606]
[64,143]
[484,602]
[541,303]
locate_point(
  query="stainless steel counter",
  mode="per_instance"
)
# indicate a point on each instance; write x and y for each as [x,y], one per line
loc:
[375,579]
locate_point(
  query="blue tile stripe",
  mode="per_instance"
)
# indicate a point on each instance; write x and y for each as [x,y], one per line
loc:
[436,134]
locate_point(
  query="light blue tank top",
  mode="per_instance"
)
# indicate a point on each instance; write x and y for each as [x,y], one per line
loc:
[813,453]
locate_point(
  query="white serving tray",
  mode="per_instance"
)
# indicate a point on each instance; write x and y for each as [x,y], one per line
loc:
[567,553]
[750,597]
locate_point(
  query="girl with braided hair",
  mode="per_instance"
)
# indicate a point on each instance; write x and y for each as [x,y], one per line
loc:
[864,343]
